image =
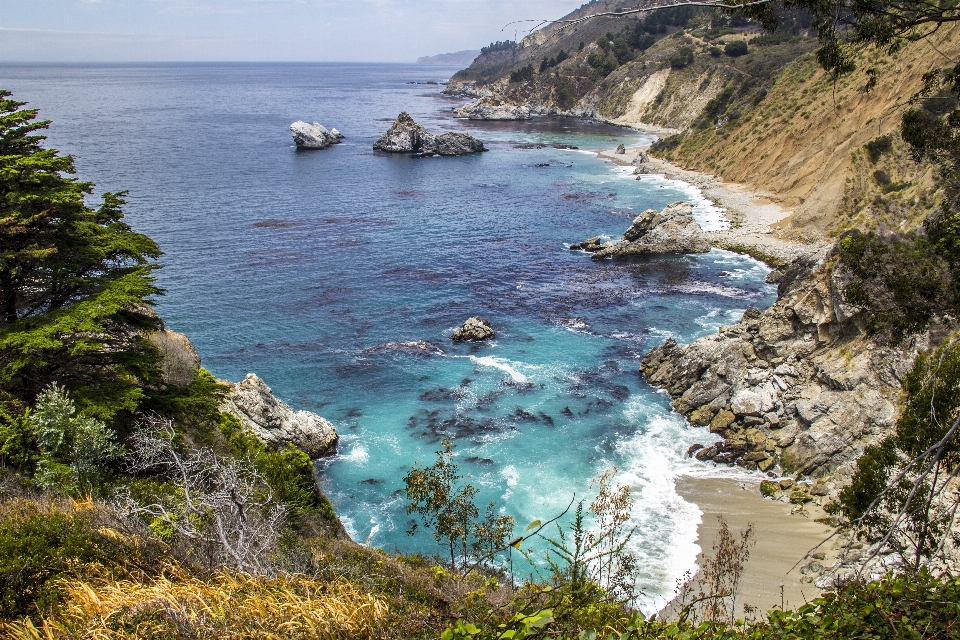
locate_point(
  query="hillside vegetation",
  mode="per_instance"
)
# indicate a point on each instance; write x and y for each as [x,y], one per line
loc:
[750,106]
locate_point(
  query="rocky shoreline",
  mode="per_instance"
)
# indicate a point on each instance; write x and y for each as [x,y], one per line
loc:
[250,401]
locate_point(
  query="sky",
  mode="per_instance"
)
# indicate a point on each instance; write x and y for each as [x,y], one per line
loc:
[259,30]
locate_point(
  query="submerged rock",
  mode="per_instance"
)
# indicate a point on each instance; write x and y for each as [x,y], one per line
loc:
[274,422]
[672,230]
[314,136]
[474,329]
[406,136]
[492,109]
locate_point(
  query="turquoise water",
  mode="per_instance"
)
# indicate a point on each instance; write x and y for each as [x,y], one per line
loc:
[305,266]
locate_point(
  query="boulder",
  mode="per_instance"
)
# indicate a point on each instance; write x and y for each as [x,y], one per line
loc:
[406,136]
[274,422]
[179,360]
[493,109]
[474,329]
[621,150]
[672,230]
[314,136]
[692,449]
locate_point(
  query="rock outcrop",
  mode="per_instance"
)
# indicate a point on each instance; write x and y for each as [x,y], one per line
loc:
[492,109]
[672,230]
[314,136]
[274,422]
[406,136]
[179,360]
[474,329]
[798,385]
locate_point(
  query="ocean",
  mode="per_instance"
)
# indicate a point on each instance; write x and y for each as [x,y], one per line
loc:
[313,268]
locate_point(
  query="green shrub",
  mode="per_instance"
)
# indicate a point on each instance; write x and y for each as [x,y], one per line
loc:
[900,282]
[682,58]
[522,74]
[877,147]
[736,48]
[288,471]
[37,548]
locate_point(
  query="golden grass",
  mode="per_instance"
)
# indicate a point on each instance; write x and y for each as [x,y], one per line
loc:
[224,607]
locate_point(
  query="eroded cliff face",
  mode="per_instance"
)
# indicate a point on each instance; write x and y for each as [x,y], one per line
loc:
[797,388]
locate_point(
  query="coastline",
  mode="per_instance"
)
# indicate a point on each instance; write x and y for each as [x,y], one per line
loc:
[757,221]
[773,576]
[783,539]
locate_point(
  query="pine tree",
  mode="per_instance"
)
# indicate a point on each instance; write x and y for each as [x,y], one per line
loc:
[74,281]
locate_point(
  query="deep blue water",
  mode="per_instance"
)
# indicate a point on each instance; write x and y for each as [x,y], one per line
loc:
[300,266]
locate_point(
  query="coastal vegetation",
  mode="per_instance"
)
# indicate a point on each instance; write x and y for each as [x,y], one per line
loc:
[133,507]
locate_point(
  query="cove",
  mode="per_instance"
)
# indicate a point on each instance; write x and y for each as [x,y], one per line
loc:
[315,269]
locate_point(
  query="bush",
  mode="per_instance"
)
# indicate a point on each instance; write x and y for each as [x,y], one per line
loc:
[736,48]
[900,282]
[682,58]
[602,62]
[39,546]
[716,52]
[877,147]
[522,74]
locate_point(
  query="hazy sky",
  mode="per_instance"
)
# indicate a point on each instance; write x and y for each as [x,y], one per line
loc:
[318,30]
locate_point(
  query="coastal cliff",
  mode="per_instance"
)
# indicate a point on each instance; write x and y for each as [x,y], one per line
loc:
[799,387]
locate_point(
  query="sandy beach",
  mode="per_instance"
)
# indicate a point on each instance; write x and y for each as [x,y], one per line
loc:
[756,220]
[782,539]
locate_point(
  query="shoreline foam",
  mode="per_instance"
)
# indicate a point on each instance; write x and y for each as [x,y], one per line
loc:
[757,222]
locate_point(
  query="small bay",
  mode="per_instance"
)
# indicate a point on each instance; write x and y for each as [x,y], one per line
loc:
[339,275]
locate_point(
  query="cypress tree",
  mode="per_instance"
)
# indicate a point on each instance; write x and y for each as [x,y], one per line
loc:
[75,281]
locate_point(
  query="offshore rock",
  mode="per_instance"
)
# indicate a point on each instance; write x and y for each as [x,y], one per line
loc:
[406,136]
[672,230]
[314,136]
[474,329]
[800,383]
[492,109]
[274,422]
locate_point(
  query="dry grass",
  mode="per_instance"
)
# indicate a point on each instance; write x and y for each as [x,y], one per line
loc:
[224,607]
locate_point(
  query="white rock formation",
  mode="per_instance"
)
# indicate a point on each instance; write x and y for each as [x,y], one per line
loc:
[274,422]
[314,136]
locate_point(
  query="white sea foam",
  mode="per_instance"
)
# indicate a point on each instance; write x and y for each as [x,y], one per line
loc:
[358,454]
[708,215]
[511,476]
[666,538]
[503,365]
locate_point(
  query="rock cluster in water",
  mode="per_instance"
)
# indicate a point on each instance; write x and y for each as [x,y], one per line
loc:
[798,385]
[406,136]
[314,136]
[672,230]
[274,422]
[474,329]
[492,109]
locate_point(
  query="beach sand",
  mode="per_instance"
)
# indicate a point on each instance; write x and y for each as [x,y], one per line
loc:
[782,540]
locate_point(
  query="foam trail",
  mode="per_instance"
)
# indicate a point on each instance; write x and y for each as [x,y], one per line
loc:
[501,364]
